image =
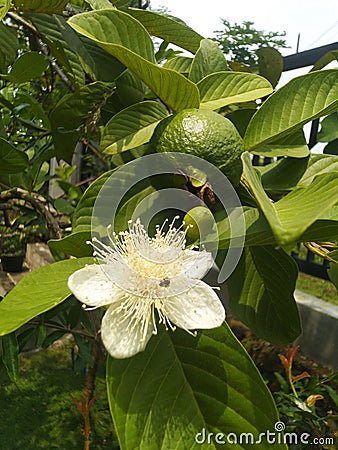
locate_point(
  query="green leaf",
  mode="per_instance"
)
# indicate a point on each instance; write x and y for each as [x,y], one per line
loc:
[225,88]
[74,244]
[11,159]
[168,28]
[129,88]
[322,230]
[82,216]
[329,129]
[258,231]
[126,193]
[93,59]
[71,114]
[52,337]
[28,66]
[105,67]
[292,145]
[240,118]
[132,126]
[52,32]
[125,38]
[9,45]
[10,355]
[181,385]
[128,208]
[41,6]
[331,148]
[303,99]
[85,350]
[288,173]
[333,274]
[4,7]
[116,31]
[261,294]
[301,207]
[121,3]
[63,206]
[181,64]
[38,292]
[294,213]
[129,155]
[208,59]
[270,64]
[325,60]
[75,44]
[333,255]
[100,4]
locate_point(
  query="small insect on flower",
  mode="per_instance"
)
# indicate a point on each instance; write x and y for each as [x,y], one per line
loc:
[165,282]
[129,281]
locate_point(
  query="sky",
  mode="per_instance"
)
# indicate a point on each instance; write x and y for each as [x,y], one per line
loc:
[315,20]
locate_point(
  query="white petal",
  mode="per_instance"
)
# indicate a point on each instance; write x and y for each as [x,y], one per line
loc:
[92,286]
[175,286]
[122,336]
[197,264]
[196,308]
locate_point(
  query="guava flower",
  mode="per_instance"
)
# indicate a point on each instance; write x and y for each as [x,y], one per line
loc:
[142,280]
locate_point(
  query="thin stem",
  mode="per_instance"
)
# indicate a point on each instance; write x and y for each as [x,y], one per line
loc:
[59,327]
[291,381]
[89,389]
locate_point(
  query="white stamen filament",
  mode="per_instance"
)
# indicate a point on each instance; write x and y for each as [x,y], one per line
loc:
[147,280]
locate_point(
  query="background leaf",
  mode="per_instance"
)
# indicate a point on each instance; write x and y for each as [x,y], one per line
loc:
[126,39]
[294,213]
[325,60]
[9,45]
[71,113]
[258,231]
[261,294]
[225,88]
[4,7]
[292,145]
[132,126]
[181,64]
[99,4]
[82,217]
[270,64]
[10,355]
[129,88]
[74,244]
[27,66]
[43,6]
[331,148]
[288,173]
[168,28]
[301,100]
[164,396]
[333,274]
[329,128]
[51,34]
[11,159]
[38,292]
[208,59]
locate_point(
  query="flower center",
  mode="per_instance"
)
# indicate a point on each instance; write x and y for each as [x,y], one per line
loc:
[143,265]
